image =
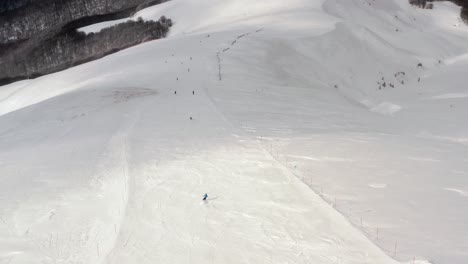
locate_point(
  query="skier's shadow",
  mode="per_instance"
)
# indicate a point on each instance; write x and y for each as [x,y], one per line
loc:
[210,199]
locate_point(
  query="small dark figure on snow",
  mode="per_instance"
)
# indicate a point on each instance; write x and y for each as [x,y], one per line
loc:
[193,92]
[191,118]
[175,92]
[205,197]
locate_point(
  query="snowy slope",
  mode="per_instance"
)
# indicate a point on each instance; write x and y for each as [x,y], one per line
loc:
[305,159]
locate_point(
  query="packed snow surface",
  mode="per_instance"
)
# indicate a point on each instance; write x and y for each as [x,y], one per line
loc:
[323,131]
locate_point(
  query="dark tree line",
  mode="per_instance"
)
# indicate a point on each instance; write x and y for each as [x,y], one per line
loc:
[70,48]
[9,5]
[38,37]
[23,19]
[464,11]
[427,4]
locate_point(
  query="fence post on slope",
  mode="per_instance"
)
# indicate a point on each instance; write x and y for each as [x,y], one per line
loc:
[395,250]
[219,66]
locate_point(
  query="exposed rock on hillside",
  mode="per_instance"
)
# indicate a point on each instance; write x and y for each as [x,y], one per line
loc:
[428,4]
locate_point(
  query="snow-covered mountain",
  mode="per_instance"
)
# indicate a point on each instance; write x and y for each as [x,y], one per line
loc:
[324,131]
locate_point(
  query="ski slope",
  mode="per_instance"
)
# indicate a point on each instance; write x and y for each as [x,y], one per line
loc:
[273,108]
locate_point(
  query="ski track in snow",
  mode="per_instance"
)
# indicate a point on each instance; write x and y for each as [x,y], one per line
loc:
[460,192]
[451,96]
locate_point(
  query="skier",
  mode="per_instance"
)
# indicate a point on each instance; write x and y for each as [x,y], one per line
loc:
[205,197]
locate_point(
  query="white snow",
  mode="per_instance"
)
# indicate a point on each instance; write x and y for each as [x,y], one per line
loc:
[95,28]
[386,108]
[304,158]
